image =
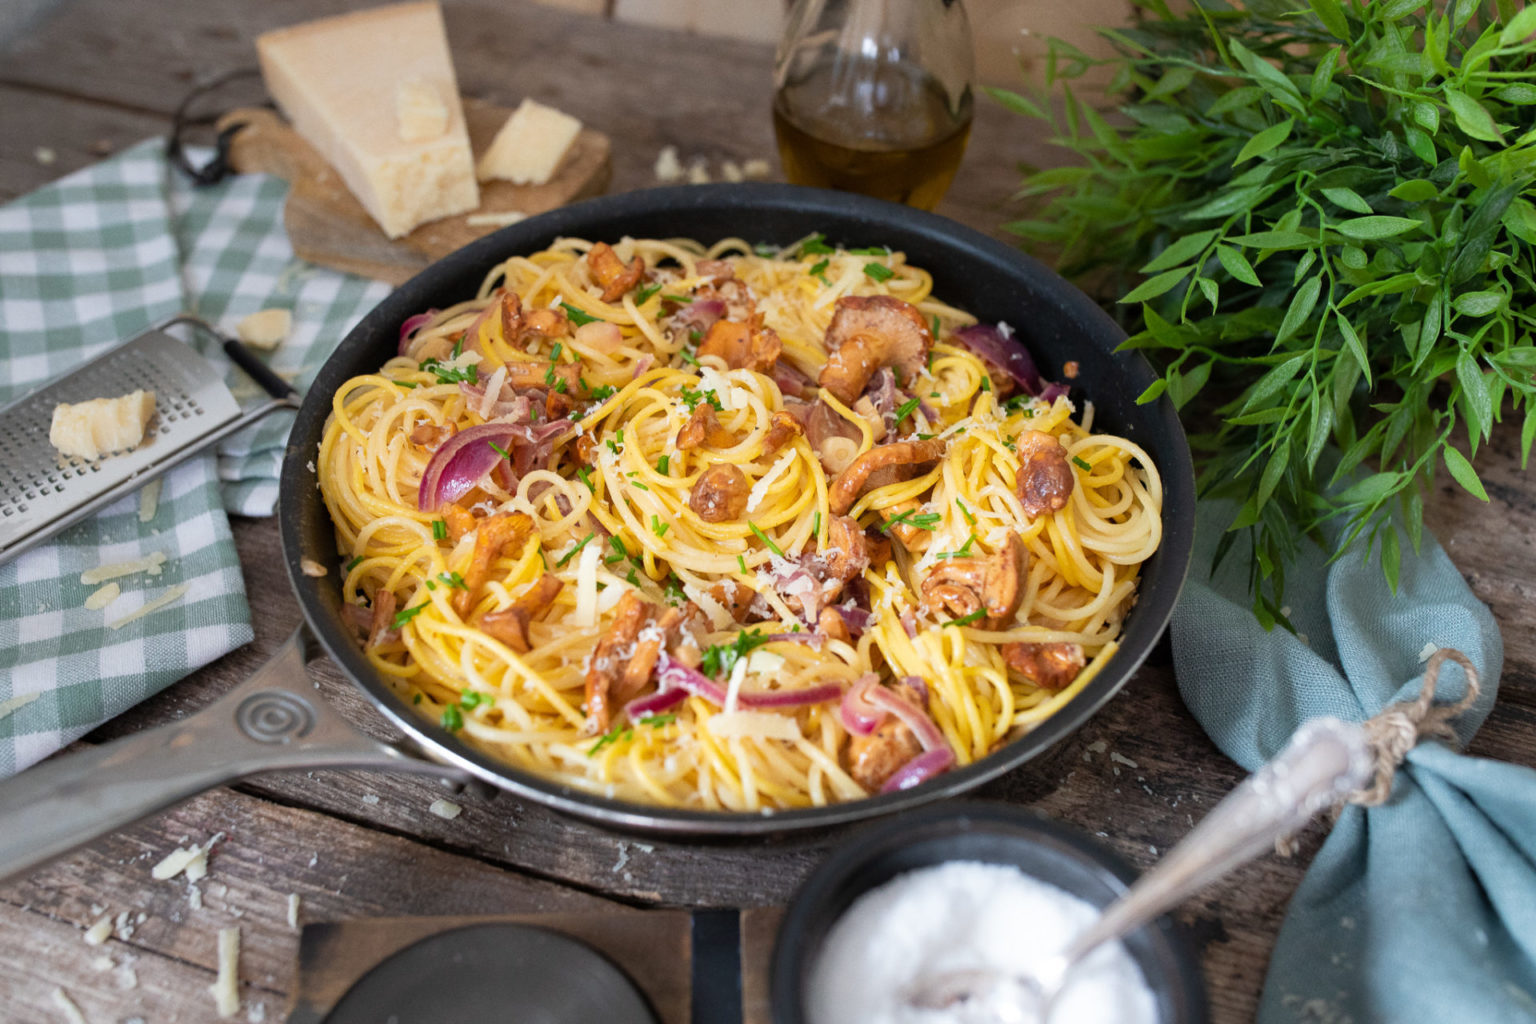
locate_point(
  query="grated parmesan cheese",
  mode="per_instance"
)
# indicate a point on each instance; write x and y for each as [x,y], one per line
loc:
[149,500]
[445,809]
[733,688]
[169,597]
[67,1007]
[309,567]
[754,724]
[226,988]
[492,392]
[668,169]
[150,564]
[293,910]
[499,219]
[103,596]
[760,489]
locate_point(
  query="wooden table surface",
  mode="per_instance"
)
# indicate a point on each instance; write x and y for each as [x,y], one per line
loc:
[100,74]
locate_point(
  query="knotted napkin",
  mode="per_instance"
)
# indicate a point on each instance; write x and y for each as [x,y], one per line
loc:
[88,262]
[1422,908]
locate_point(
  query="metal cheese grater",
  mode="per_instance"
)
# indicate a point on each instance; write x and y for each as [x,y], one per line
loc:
[43,492]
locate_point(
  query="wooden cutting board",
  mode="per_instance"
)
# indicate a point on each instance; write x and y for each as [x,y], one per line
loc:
[328,226]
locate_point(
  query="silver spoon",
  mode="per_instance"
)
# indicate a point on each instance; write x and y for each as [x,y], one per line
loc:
[1325,760]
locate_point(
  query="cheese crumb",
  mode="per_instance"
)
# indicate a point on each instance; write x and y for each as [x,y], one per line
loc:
[102,597]
[669,169]
[226,988]
[309,567]
[101,426]
[267,328]
[45,155]
[698,172]
[445,809]
[731,171]
[194,897]
[293,910]
[149,500]
[169,597]
[420,112]
[1428,651]
[1122,759]
[496,219]
[67,1007]
[173,864]
[99,932]
[758,168]
[529,146]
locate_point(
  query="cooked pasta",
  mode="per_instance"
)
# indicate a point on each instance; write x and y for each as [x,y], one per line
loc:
[727,527]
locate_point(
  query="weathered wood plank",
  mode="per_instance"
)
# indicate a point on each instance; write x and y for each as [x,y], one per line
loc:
[70,134]
[269,851]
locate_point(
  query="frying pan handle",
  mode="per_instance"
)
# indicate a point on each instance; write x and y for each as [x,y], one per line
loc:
[271,721]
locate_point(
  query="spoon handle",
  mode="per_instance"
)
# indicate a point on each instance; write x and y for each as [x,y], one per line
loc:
[1325,760]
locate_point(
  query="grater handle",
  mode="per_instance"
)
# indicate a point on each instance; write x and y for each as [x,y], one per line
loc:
[273,720]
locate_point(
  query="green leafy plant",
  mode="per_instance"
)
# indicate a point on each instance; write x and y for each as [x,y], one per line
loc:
[1326,212]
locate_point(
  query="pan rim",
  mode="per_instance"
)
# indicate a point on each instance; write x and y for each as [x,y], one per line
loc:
[1148,620]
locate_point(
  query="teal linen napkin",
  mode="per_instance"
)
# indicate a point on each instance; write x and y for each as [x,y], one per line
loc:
[1422,909]
[85,263]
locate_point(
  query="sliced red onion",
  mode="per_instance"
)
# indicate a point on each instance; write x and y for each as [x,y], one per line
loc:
[1009,356]
[881,393]
[919,770]
[856,619]
[1053,391]
[413,324]
[790,698]
[643,365]
[803,637]
[654,704]
[674,675]
[514,409]
[857,714]
[792,383]
[919,684]
[699,315]
[909,624]
[463,460]
[912,717]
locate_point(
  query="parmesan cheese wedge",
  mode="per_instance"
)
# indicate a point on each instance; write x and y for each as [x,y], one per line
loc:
[754,724]
[529,146]
[339,81]
[101,426]
[266,328]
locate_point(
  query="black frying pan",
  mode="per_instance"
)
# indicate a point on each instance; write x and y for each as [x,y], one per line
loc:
[273,720]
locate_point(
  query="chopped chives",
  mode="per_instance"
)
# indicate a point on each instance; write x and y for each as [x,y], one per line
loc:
[964,551]
[407,614]
[569,554]
[585,476]
[658,527]
[577,316]
[741,563]
[766,539]
[878,272]
[499,450]
[354,563]
[453,718]
[816,524]
[644,294]
[662,464]
[986,383]
[906,409]
[406,383]
[440,528]
[1081,463]
[453,580]
[965,512]
[431,585]
[966,620]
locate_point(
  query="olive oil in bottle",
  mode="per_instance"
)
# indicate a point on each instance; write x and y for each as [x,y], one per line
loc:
[874,96]
[904,148]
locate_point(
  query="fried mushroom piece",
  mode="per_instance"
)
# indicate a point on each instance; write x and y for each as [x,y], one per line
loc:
[496,535]
[868,332]
[914,538]
[720,496]
[430,435]
[510,626]
[612,273]
[875,758]
[852,481]
[524,374]
[992,584]
[459,520]
[734,597]
[626,656]
[703,428]
[782,429]
[742,345]
[1048,666]
[381,625]
[520,326]
[846,553]
[831,625]
[1045,478]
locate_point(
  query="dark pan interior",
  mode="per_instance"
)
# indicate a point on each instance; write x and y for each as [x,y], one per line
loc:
[971,271]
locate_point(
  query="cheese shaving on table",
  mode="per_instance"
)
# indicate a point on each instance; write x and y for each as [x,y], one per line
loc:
[310,567]
[67,1007]
[15,704]
[170,596]
[499,219]
[445,809]
[149,500]
[293,910]
[102,597]
[99,932]
[149,564]
[226,987]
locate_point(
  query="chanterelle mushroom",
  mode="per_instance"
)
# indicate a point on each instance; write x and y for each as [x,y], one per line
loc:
[992,585]
[511,625]
[868,332]
[875,758]
[1050,666]
[626,656]
[852,481]
[703,428]
[721,494]
[742,345]
[499,534]
[1045,478]
[609,271]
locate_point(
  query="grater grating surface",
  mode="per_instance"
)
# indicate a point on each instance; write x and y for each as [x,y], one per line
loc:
[41,490]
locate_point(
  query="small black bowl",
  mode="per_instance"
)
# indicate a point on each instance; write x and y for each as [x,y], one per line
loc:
[993,834]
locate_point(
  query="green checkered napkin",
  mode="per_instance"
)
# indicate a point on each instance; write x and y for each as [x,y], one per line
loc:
[87,262]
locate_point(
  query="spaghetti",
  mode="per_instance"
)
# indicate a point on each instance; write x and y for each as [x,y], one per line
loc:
[729,528]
